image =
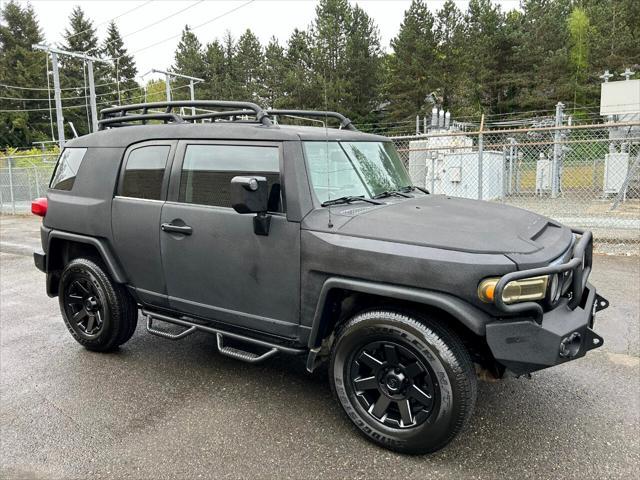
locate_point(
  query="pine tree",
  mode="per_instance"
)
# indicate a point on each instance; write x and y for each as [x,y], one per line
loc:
[448,70]
[249,61]
[329,33]
[215,71]
[122,70]
[410,80]
[231,80]
[298,84]
[21,65]
[80,36]
[189,60]
[275,71]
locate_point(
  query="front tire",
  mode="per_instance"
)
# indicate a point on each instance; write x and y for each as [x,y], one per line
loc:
[406,382]
[99,313]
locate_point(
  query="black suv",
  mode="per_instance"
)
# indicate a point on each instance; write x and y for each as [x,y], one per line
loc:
[310,241]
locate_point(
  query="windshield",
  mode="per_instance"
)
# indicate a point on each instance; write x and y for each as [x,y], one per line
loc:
[339,169]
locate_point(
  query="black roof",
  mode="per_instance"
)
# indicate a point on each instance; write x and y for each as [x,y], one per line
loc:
[125,136]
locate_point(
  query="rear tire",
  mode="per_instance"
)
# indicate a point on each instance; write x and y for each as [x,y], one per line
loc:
[406,382]
[99,313]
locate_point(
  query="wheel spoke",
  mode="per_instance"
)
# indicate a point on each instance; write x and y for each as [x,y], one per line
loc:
[390,355]
[367,383]
[79,316]
[90,323]
[413,369]
[82,288]
[369,361]
[99,317]
[76,298]
[405,412]
[380,407]
[419,395]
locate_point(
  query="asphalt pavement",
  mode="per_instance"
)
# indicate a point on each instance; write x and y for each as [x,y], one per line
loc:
[163,409]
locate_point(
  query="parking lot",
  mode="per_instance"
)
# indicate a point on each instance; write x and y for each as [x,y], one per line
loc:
[162,409]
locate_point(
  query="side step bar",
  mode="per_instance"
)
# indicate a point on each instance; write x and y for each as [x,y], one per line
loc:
[191,327]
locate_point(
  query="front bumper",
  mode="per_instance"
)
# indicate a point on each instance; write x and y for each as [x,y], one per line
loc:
[525,346]
[534,339]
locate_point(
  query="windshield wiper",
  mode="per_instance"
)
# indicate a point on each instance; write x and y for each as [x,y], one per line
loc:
[411,188]
[349,199]
[390,193]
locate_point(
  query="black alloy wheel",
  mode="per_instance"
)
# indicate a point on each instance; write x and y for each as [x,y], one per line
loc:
[393,385]
[83,305]
[99,313]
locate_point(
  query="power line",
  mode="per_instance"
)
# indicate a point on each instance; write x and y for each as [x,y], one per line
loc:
[157,22]
[228,12]
[110,20]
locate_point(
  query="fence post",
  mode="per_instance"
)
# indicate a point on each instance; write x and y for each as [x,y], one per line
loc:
[480,149]
[35,170]
[555,164]
[11,195]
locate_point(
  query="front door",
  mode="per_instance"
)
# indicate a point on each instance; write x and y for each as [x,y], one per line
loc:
[214,264]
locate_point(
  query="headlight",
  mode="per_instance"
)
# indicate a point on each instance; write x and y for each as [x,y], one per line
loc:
[524,290]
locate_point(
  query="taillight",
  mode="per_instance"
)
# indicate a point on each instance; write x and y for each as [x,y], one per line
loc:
[39,207]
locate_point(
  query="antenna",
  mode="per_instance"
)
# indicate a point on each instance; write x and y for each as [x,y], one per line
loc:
[326,151]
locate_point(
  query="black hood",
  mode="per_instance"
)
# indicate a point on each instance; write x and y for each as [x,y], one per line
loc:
[459,224]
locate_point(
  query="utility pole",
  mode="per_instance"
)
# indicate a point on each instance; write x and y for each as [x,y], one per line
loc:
[54,52]
[169,75]
[557,152]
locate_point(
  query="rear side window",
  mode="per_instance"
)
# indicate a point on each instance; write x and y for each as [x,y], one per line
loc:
[208,169]
[67,168]
[144,172]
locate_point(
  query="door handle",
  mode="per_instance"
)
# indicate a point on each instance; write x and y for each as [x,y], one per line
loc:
[170,228]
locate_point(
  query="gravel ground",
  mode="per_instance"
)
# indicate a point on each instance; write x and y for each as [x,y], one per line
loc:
[162,409]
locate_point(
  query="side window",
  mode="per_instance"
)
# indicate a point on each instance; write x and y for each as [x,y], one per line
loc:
[144,172]
[208,169]
[67,168]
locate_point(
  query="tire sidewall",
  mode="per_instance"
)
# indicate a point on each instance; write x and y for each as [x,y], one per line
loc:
[427,436]
[86,270]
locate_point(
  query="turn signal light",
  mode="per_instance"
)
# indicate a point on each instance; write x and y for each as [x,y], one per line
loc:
[39,207]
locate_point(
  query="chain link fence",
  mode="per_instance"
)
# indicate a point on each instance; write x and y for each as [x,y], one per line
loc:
[22,179]
[585,176]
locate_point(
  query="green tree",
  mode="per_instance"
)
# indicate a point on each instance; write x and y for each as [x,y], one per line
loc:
[579,32]
[189,59]
[248,62]
[215,71]
[329,32]
[122,71]
[21,65]
[363,67]
[448,69]
[298,82]
[274,75]
[411,63]
[80,36]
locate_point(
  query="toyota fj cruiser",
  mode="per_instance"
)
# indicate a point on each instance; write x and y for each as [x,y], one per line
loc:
[310,241]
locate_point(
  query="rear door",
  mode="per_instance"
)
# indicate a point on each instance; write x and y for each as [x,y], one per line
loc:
[136,209]
[220,269]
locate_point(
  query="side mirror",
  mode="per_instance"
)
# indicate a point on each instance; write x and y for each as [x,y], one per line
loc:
[251,195]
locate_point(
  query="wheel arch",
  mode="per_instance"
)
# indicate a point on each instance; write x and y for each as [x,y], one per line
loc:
[63,247]
[331,308]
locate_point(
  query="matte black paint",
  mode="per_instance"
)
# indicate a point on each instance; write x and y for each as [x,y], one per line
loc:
[428,249]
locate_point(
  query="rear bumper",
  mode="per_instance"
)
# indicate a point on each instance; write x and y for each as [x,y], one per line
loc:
[564,334]
[40,259]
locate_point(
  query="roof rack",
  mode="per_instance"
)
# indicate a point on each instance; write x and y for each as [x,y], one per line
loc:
[344,121]
[119,116]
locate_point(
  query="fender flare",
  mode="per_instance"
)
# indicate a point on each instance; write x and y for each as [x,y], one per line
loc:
[114,268]
[471,317]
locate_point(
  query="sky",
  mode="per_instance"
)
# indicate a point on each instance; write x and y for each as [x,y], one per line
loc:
[158,20]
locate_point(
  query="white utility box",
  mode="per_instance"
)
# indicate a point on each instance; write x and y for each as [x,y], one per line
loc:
[616,169]
[543,175]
